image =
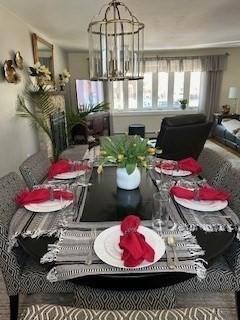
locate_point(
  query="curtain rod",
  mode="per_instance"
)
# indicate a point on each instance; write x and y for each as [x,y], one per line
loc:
[191,56]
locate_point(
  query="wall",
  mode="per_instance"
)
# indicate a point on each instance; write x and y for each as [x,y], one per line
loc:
[18,139]
[78,67]
[231,77]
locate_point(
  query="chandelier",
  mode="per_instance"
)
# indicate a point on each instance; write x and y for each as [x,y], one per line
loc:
[116,42]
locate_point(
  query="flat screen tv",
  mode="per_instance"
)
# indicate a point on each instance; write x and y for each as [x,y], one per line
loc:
[89,93]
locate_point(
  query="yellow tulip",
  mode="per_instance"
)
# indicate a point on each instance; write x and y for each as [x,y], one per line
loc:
[151,150]
[120,157]
[100,169]
[141,158]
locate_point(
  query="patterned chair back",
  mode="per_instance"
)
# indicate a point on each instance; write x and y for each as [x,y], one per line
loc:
[231,183]
[10,185]
[58,128]
[35,168]
[215,166]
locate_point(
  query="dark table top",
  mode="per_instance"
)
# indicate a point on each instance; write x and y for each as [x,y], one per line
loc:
[105,202]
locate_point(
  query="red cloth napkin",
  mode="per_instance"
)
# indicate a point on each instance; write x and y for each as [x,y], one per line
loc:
[188,164]
[63,166]
[203,193]
[135,248]
[41,195]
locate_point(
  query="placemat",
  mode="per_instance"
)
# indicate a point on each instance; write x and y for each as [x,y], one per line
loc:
[70,252]
[191,220]
[36,224]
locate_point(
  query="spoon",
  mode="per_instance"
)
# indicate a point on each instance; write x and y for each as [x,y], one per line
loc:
[172,243]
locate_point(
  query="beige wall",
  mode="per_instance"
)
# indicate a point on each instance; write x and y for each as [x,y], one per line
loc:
[17,138]
[79,68]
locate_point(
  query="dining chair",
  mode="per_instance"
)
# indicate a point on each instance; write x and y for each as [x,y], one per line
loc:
[59,130]
[120,299]
[50,312]
[215,166]
[21,274]
[183,136]
[35,168]
[224,274]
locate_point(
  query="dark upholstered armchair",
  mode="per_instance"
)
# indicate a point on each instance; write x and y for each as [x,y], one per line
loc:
[183,136]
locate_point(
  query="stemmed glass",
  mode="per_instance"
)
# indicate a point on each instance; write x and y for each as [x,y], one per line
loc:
[161,209]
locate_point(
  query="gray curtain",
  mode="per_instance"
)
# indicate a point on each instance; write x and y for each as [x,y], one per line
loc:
[210,92]
[212,68]
[185,63]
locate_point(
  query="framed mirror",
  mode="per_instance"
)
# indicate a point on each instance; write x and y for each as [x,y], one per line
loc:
[43,53]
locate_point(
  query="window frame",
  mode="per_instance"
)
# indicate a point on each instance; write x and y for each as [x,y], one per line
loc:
[155,79]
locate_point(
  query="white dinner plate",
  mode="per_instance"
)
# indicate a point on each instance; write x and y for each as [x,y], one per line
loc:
[174,173]
[48,206]
[69,175]
[202,205]
[107,248]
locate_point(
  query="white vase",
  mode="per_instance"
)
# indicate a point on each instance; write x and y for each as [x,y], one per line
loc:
[128,181]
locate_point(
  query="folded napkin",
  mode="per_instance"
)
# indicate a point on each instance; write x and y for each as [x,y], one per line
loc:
[188,164]
[135,248]
[202,193]
[41,195]
[63,166]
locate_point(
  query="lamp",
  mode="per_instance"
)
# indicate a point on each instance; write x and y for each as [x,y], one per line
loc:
[116,44]
[234,93]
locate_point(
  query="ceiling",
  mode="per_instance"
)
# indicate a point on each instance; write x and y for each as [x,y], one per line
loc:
[170,24]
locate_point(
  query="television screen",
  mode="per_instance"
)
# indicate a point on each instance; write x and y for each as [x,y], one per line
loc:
[89,93]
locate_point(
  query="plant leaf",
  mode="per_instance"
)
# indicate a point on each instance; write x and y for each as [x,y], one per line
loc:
[130,167]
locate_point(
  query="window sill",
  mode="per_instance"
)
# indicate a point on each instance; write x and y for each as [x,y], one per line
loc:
[153,112]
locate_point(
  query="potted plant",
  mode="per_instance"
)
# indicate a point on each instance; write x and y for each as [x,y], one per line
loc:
[183,103]
[129,153]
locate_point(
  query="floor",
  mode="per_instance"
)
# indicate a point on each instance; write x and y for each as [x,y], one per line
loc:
[225,301]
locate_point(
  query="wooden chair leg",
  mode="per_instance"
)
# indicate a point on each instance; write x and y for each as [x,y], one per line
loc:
[13,307]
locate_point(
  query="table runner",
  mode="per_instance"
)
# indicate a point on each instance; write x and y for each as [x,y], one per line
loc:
[36,224]
[69,254]
[191,220]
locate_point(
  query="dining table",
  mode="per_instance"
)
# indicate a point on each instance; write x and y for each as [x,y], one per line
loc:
[105,203]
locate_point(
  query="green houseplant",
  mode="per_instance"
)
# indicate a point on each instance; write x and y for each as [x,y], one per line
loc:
[183,103]
[128,153]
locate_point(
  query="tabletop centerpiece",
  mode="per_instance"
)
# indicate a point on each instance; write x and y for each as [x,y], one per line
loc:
[129,153]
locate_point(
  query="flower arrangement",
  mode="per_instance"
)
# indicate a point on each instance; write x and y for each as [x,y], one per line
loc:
[42,73]
[64,79]
[125,151]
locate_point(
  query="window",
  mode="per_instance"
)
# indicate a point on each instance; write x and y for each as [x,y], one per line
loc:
[118,95]
[162,89]
[132,94]
[195,81]
[147,90]
[158,91]
[178,91]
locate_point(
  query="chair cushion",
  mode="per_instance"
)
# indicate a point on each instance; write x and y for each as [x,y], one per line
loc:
[52,312]
[34,280]
[184,120]
[107,299]
[219,278]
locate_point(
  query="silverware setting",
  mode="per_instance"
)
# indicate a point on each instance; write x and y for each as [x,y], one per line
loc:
[171,242]
[89,257]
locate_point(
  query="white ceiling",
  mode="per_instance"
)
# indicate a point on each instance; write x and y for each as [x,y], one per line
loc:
[170,24]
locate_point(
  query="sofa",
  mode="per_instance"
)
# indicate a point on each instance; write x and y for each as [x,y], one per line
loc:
[225,130]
